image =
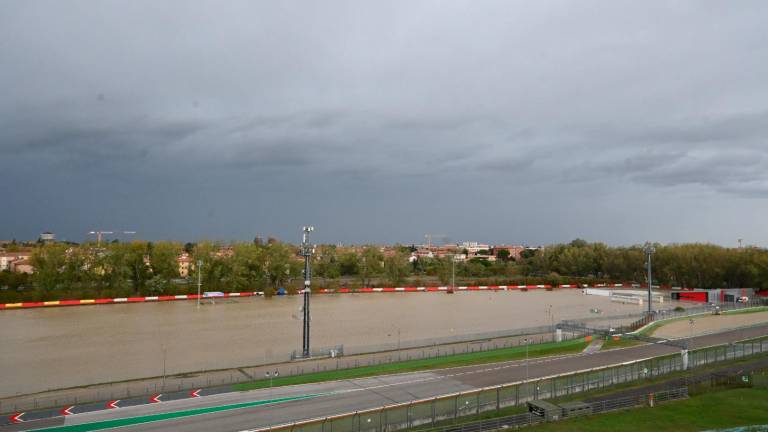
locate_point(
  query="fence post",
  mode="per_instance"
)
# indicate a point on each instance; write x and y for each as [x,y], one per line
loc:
[455,407]
[433,411]
[408,415]
[383,424]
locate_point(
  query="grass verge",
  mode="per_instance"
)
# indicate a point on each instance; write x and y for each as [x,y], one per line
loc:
[618,388]
[468,359]
[713,410]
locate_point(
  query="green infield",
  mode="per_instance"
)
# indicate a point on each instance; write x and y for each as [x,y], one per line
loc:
[714,410]
[468,359]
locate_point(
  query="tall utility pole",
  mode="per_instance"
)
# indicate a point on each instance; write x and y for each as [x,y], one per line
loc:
[453,272]
[306,251]
[649,250]
[199,280]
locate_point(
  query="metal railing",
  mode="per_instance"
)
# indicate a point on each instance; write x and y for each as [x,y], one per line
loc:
[599,407]
[475,402]
[332,352]
[592,325]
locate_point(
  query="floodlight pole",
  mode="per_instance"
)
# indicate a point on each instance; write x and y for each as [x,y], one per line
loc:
[649,250]
[306,251]
[453,271]
[199,280]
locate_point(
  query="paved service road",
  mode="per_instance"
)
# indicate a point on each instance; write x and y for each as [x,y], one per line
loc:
[359,394]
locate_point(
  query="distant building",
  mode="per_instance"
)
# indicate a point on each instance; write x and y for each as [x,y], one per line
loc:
[9,257]
[474,247]
[225,252]
[389,251]
[514,251]
[22,266]
[48,237]
[186,264]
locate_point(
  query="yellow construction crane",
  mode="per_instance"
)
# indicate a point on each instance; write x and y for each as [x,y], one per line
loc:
[429,238]
[100,234]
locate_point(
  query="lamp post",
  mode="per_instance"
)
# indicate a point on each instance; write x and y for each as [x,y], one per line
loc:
[649,250]
[691,323]
[306,251]
[527,343]
[453,272]
[398,341]
[199,280]
[551,318]
[270,376]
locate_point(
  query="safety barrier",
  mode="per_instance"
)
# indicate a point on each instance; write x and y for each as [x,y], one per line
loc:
[434,410]
[54,303]
[598,407]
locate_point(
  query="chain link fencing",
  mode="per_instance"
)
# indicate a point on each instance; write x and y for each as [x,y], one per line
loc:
[428,412]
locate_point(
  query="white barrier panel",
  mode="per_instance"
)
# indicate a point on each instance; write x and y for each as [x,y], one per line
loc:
[597,292]
[627,299]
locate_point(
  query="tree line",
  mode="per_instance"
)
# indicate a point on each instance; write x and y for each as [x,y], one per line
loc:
[151,268]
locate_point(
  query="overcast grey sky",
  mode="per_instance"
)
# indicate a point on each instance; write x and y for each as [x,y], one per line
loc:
[498,121]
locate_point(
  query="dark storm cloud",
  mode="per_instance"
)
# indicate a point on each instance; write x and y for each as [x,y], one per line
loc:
[383,121]
[726,153]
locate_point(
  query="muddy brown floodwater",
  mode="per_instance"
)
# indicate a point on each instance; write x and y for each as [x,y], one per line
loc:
[43,349]
[699,325]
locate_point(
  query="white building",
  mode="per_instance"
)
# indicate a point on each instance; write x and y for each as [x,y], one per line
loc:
[474,247]
[7,258]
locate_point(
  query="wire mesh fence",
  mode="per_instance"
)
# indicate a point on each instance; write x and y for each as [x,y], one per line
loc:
[344,358]
[430,412]
[323,360]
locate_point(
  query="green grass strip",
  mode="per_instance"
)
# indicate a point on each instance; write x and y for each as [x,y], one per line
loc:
[716,410]
[130,421]
[467,359]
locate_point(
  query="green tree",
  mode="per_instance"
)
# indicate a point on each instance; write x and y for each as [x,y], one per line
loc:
[49,262]
[371,264]
[397,268]
[162,256]
[349,264]
[326,262]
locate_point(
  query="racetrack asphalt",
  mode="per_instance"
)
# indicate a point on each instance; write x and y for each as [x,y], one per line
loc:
[346,396]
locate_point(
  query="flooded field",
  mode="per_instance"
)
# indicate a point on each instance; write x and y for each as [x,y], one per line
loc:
[53,348]
[706,324]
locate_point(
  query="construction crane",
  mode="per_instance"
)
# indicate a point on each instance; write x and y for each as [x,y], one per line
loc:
[429,238]
[100,234]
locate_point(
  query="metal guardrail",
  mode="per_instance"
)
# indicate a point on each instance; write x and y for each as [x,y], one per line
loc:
[599,407]
[660,315]
[474,402]
[317,353]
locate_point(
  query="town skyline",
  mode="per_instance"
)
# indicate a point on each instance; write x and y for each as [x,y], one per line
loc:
[427,239]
